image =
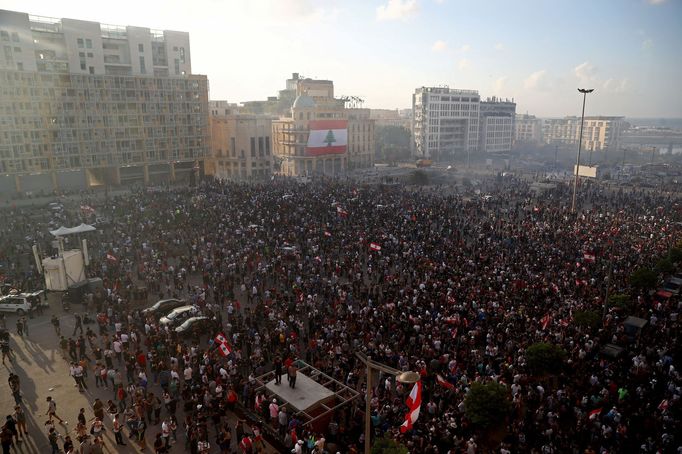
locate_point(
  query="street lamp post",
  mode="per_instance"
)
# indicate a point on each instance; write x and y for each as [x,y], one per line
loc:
[402,377]
[584,91]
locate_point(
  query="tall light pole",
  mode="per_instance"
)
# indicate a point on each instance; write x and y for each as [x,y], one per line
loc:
[584,91]
[402,377]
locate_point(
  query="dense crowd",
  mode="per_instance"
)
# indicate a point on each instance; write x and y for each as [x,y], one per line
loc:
[458,283]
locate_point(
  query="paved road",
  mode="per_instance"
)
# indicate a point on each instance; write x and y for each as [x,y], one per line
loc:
[44,372]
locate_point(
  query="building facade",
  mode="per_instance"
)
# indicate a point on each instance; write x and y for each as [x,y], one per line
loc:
[527,130]
[240,147]
[315,103]
[391,117]
[599,133]
[88,104]
[445,122]
[496,125]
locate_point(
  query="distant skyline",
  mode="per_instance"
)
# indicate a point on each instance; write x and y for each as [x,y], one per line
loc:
[535,51]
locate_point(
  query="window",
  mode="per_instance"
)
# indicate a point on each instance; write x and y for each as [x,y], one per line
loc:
[177,66]
[89,54]
[143,70]
[83,65]
[17,49]
[4,35]
[182,55]
[88,43]
[253,147]
[140,47]
[92,70]
[81,54]
[15,37]
[80,42]
[20,66]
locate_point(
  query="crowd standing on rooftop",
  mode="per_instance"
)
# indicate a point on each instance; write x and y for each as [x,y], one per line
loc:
[462,282]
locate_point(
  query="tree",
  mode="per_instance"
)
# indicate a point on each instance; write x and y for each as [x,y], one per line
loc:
[419,178]
[392,143]
[330,139]
[665,266]
[643,279]
[543,358]
[487,405]
[676,254]
[388,446]
[621,301]
[587,319]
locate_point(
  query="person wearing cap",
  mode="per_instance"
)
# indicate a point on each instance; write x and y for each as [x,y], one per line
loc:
[274,411]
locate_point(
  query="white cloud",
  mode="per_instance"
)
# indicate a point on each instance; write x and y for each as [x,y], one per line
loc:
[397,10]
[439,46]
[616,86]
[499,46]
[656,2]
[535,80]
[465,48]
[463,64]
[585,72]
[440,2]
[499,84]
[647,44]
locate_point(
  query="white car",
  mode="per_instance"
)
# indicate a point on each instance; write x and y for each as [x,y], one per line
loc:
[179,315]
[20,303]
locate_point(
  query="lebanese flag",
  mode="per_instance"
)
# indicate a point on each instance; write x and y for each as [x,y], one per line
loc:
[414,401]
[87,209]
[545,321]
[327,137]
[221,339]
[111,257]
[589,256]
[594,413]
[444,383]
[224,349]
[374,247]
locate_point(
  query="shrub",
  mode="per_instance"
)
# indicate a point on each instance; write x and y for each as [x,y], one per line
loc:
[487,405]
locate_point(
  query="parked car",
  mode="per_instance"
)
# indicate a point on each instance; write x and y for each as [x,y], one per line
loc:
[20,303]
[75,294]
[197,325]
[163,306]
[178,315]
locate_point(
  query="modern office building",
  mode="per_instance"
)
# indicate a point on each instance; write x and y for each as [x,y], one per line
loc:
[445,123]
[240,147]
[391,117]
[321,136]
[599,133]
[86,104]
[496,125]
[527,130]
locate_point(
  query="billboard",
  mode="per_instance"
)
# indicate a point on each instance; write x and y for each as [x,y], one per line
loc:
[327,137]
[586,171]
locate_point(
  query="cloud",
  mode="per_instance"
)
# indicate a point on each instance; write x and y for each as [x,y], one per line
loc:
[655,2]
[647,44]
[465,48]
[397,10]
[536,80]
[616,86]
[499,46]
[585,72]
[440,2]
[499,84]
[439,46]
[463,64]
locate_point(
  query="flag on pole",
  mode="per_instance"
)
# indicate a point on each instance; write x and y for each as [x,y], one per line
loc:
[444,383]
[414,401]
[111,257]
[589,256]
[545,321]
[594,413]
[374,247]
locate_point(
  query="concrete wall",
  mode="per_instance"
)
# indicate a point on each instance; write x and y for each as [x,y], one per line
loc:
[74,179]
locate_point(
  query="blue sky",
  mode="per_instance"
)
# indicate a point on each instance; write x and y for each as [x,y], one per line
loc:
[537,52]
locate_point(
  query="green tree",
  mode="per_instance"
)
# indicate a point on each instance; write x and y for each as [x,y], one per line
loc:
[419,178]
[587,319]
[665,266]
[487,405]
[330,139]
[543,358]
[392,143]
[621,300]
[388,446]
[643,279]
[676,254]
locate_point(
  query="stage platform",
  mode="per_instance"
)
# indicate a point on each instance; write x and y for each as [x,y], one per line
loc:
[305,395]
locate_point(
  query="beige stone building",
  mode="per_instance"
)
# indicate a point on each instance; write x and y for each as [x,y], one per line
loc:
[599,133]
[528,130]
[240,147]
[316,114]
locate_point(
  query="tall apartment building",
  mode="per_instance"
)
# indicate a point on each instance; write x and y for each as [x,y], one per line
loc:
[391,117]
[321,136]
[528,130]
[599,133]
[445,122]
[496,125]
[240,147]
[85,104]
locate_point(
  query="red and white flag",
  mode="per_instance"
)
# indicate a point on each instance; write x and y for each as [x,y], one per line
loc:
[87,209]
[327,137]
[374,247]
[221,339]
[546,320]
[444,383]
[594,413]
[111,257]
[224,349]
[414,401]
[327,233]
[589,256]
[341,212]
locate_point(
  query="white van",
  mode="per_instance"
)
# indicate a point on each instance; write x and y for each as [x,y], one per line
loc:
[19,303]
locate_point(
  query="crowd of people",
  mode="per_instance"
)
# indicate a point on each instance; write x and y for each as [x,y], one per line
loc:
[442,281]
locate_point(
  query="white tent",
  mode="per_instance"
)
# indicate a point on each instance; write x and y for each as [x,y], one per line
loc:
[62,231]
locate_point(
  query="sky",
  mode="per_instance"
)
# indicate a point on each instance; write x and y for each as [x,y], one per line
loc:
[535,51]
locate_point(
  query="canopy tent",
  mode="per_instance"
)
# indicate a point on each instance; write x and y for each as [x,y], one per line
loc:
[62,231]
